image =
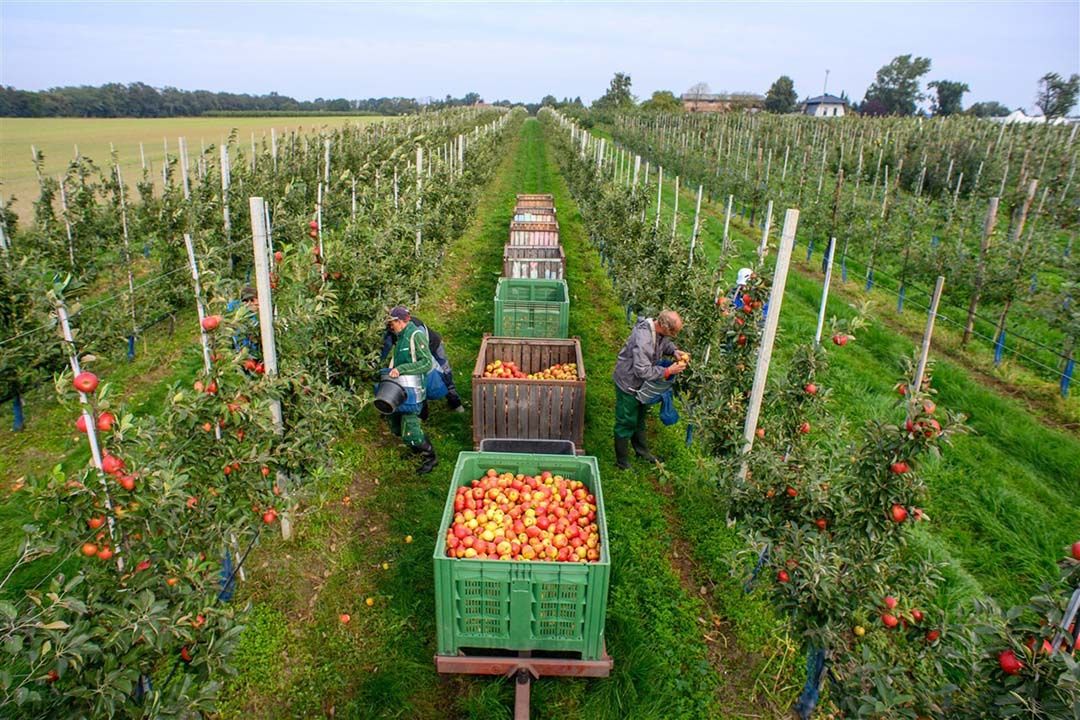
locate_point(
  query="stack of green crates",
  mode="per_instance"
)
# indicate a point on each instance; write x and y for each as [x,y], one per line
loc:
[522,605]
[532,308]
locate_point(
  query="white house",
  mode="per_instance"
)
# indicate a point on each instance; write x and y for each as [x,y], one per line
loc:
[825,106]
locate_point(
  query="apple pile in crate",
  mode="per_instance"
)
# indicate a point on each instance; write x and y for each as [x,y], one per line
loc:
[509,369]
[524,517]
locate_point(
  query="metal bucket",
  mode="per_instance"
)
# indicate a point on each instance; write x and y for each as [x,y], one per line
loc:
[388,395]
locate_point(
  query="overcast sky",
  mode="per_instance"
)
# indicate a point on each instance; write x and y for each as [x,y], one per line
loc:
[525,51]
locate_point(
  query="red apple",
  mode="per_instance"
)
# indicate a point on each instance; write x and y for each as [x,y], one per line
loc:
[1009,663]
[900,467]
[211,322]
[105,421]
[898,513]
[85,382]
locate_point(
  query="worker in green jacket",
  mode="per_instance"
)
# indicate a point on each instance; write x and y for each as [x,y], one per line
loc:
[410,362]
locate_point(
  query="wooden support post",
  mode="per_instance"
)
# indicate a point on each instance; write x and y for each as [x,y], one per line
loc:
[266,333]
[768,335]
[825,290]
[928,333]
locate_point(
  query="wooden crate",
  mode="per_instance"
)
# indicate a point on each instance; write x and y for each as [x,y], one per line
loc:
[545,234]
[540,200]
[536,409]
[528,214]
[533,261]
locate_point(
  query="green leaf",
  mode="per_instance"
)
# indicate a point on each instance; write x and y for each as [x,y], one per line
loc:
[55,625]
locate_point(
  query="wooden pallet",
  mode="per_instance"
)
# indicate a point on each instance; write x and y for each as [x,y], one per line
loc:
[531,409]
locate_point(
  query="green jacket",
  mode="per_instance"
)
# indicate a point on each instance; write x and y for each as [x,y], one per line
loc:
[411,353]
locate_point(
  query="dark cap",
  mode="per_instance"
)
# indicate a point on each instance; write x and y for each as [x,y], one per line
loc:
[399,312]
[248,293]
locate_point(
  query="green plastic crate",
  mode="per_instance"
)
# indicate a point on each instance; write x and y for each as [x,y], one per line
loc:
[522,605]
[532,308]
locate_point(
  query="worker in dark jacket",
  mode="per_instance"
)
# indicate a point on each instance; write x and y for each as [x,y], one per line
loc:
[438,351]
[639,362]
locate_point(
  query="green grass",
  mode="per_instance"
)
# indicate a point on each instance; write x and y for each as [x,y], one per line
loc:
[56,138]
[380,664]
[1004,500]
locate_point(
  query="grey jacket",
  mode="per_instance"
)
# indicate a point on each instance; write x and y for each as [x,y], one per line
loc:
[638,360]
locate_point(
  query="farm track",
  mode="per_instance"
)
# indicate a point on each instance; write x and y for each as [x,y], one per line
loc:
[298,659]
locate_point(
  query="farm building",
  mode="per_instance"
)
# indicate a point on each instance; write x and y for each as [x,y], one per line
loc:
[825,106]
[721,102]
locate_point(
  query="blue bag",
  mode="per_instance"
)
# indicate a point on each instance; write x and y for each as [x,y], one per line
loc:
[436,385]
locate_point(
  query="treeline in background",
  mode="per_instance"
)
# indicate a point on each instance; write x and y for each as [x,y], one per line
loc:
[143,101]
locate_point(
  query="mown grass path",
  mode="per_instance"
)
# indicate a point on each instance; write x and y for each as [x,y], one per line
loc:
[297,659]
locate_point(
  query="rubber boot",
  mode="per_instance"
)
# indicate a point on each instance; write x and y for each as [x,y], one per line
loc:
[641,447]
[622,453]
[453,402]
[427,454]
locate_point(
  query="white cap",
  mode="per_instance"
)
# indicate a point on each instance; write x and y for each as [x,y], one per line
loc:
[744,276]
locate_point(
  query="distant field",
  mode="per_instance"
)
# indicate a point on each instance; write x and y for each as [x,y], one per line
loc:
[57,138]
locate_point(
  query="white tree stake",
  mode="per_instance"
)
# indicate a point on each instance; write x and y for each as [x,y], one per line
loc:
[127,250]
[675,212]
[273,148]
[697,227]
[825,290]
[763,248]
[727,222]
[266,331]
[326,162]
[226,181]
[67,222]
[768,335]
[91,427]
[184,168]
[200,310]
[419,195]
[928,333]
[659,191]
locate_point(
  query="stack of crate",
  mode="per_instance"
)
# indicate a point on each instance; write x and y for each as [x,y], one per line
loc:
[553,612]
[532,312]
